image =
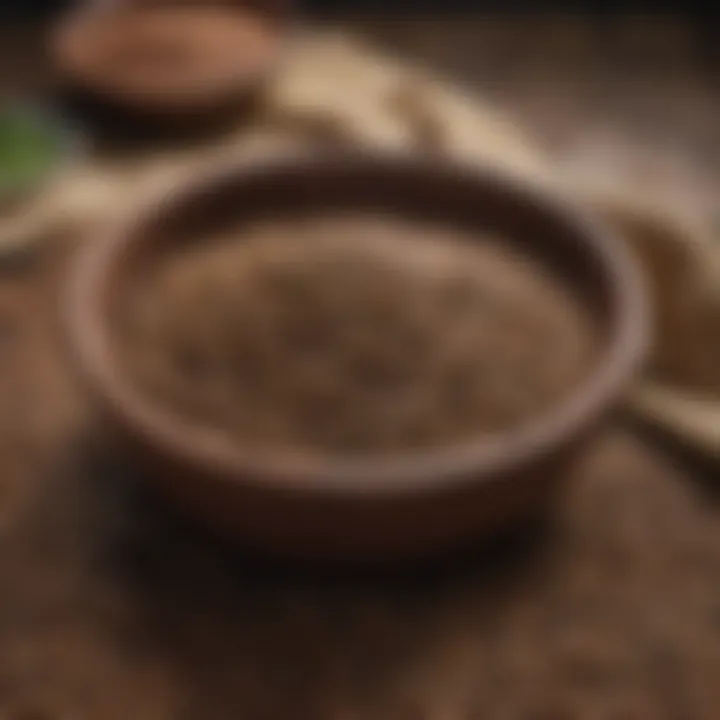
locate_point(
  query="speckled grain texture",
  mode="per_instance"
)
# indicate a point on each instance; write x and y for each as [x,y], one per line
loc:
[110,608]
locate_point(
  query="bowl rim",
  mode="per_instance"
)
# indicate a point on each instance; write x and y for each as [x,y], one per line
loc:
[194,446]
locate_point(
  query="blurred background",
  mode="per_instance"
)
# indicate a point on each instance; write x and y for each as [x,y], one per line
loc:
[112,608]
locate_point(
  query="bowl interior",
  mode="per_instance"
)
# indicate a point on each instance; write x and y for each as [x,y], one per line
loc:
[579,254]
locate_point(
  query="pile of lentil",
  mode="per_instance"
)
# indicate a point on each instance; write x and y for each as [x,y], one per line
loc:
[353,335]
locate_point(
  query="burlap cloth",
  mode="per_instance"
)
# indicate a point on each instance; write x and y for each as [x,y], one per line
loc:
[109,609]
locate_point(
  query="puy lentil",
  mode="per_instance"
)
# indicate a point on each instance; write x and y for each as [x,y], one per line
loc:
[355,335]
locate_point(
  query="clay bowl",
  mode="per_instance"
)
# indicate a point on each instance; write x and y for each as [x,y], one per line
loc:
[393,508]
[158,68]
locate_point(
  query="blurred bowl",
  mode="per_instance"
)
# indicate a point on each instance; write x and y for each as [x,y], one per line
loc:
[166,67]
[378,509]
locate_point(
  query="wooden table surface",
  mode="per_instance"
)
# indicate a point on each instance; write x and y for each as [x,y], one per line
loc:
[110,607]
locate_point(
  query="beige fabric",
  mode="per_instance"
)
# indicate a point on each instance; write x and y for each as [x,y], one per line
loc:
[680,393]
[333,90]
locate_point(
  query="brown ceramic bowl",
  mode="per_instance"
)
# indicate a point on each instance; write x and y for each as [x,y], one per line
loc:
[381,508]
[166,66]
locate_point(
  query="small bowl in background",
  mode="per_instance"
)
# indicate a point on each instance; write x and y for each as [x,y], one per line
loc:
[165,67]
